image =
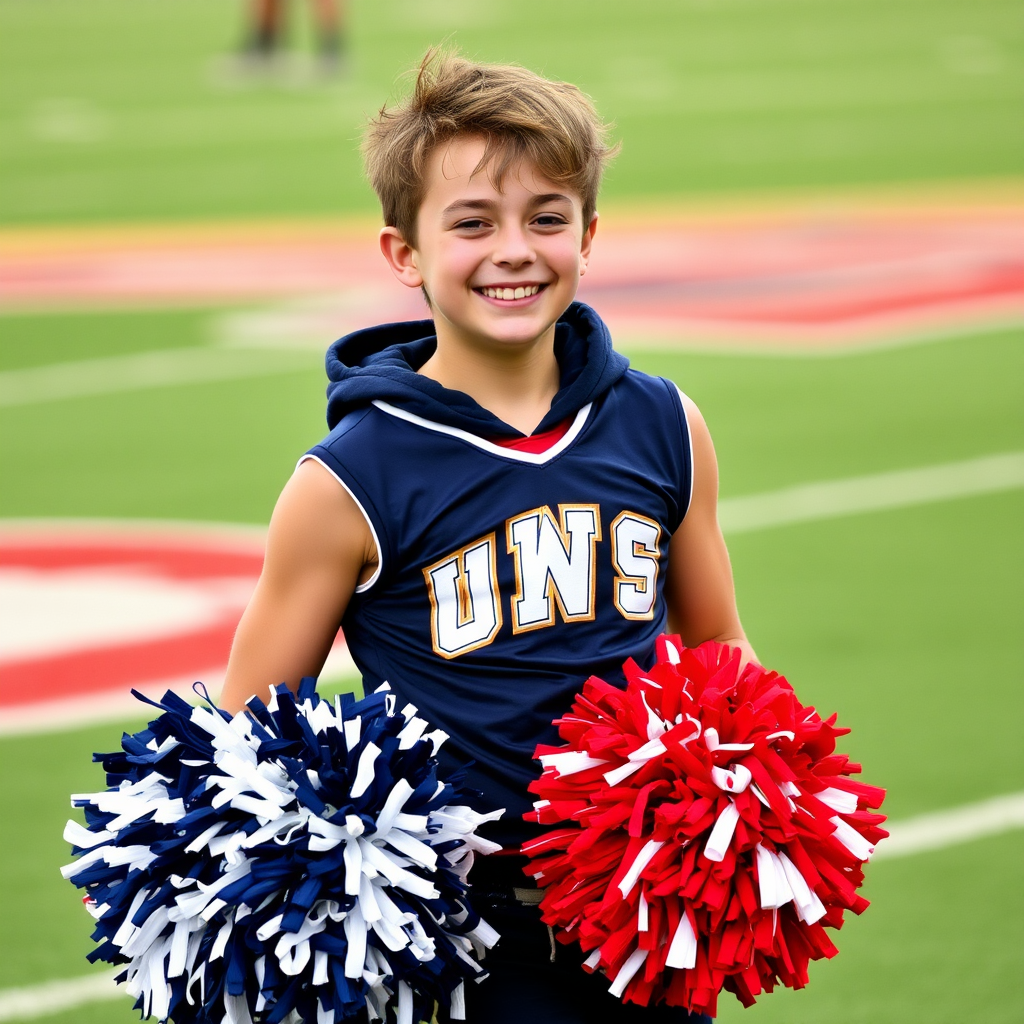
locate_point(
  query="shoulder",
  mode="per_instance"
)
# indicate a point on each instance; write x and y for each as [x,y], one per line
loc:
[312,502]
[681,420]
[670,396]
[664,398]
[352,427]
[316,522]
[644,396]
[356,451]
[636,380]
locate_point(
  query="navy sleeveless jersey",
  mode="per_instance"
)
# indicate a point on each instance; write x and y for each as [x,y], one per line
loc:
[506,578]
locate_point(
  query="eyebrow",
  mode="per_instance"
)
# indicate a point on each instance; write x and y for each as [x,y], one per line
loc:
[550,197]
[487,204]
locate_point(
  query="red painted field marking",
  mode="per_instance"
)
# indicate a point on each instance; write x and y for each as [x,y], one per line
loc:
[805,276]
[812,281]
[91,611]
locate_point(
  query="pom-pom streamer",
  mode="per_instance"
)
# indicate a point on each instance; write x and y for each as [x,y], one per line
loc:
[298,862]
[709,830]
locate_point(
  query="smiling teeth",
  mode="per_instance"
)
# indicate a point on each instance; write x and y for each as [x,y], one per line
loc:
[511,293]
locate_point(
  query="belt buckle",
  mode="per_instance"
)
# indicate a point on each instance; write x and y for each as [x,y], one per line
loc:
[528,897]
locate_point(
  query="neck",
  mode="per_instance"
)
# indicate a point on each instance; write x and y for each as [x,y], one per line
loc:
[517,383]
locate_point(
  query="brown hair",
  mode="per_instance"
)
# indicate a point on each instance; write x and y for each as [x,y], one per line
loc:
[520,114]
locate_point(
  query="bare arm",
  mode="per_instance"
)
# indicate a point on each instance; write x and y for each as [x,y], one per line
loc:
[699,588]
[319,548]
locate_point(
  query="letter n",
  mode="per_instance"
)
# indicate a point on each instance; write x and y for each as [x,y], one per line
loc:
[555,563]
[465,607]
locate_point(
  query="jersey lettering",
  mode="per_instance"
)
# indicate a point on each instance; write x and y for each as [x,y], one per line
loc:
[555,563]
[464,600]
[635,557]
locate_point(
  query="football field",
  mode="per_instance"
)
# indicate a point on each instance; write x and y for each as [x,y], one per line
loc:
[890,595]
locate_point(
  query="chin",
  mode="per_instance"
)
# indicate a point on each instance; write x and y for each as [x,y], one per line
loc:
[506,328]
[515,334]
[523,325]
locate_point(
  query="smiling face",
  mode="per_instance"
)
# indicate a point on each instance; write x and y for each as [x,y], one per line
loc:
[500,267]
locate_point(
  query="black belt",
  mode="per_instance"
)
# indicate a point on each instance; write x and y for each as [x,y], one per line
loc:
[499,881]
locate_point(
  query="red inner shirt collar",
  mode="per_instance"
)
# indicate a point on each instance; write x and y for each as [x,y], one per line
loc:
[537,444]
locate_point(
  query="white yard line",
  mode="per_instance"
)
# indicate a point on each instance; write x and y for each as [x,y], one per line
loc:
[940,829]
[68,714]
[53,996]
[840,342]
[921,834]
[161,368]
[875,493]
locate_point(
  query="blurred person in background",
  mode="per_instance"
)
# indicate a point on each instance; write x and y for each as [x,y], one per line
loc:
[267,29]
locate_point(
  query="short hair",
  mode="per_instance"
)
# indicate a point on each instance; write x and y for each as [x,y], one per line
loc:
[518,113]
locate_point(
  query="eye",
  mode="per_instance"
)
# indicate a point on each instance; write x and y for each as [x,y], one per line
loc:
[471,224]
[549,220]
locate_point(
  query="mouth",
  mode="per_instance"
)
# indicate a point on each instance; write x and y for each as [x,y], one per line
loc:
[510,293]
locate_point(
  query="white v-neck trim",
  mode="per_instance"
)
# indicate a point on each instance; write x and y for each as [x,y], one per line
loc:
[532,458]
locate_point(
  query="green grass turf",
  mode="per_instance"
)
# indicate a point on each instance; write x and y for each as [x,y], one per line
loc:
[904,621]
[777,421]
[116,109]
[140,453]
[899,657]
[33,340]
[940,944]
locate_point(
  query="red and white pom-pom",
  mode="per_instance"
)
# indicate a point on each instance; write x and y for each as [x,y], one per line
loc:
[712,830]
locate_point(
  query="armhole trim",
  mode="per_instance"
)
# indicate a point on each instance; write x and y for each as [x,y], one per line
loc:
[683,399]
[362,587]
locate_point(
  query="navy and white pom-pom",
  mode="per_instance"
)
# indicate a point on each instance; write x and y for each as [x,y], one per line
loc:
[301,862]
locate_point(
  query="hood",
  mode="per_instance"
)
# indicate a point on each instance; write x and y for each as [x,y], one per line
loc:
[381,362]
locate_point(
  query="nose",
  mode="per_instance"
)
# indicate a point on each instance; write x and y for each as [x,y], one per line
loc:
[512,247]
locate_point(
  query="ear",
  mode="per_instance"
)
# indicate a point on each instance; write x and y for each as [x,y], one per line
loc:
[587,243]
[401,257]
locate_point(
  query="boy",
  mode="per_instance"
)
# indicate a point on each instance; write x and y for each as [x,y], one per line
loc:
[502,507]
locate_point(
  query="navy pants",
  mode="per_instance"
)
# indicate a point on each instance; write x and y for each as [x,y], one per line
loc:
[525,986]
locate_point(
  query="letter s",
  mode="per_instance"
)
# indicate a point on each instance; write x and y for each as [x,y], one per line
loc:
[635,557]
